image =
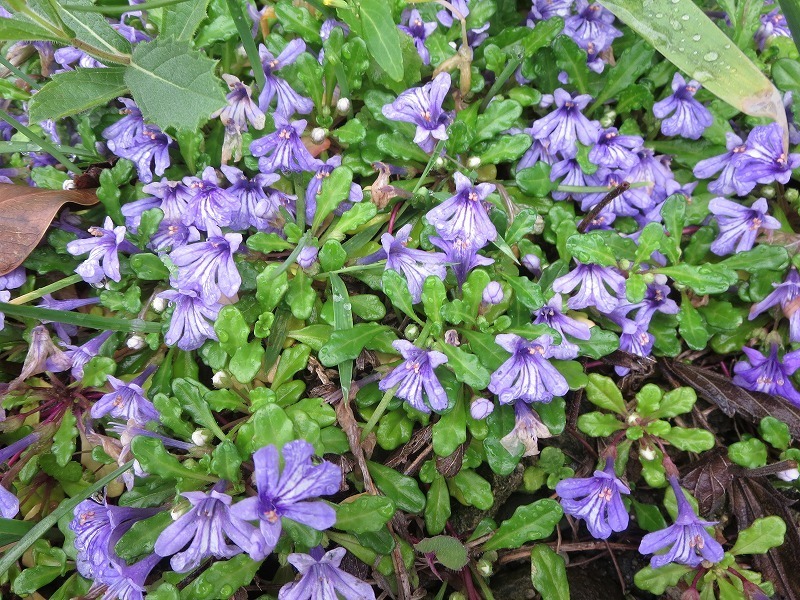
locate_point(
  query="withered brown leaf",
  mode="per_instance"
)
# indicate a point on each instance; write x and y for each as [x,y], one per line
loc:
[710,480]
[732,399]
[26,213]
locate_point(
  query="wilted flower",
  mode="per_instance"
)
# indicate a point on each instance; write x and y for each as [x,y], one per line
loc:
[208,267]
[419,30]
[739,225]
[43,355]
[80,355]
[204,529]
[127,401]
[289,101]
[422,106]
[287,495]
[416,375]
[464,215]
[528,375]
[321,578]
[601,287]
[528,430]
[784,294]
[597,500]
[690,542]
[563,127]
[689,118]
[192,320]
[283,150]
[103,248]
[240,111]
[729,181]
[768,374]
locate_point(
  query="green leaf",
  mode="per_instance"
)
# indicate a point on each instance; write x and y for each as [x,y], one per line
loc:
[335,189]
[632,63]
[400,488]
[365,513]
[601,343]
[761,536]
[592,248]
[222,579]
[382,36]
[499,116]
[396,287]
[603,392]
[572,59]
[298,20]
[231,329]
[149,267]
[703,279]
[676,402]
[690,439]
[246,361]
[656,581]
[466,367]
[448,550]
[12,30]
[450,431]
[549,573]
[192,396]
[97,370]
[437,507]
[180,21]
[750,453]
[173,84]
[775,432]
[271,288]
[347,344]
[141,538]
[64,439]
[684,35]
[692,325]
[154,458]
[12,530]
[472,489]
[352,132]
[93,29]
[535,180]
[75,91]
[484,347]
[530,522]
[272,426]
[505,149]
[597,424]
[761,258]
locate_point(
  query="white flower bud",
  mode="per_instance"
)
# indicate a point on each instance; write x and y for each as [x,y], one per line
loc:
[473,162]
[241,52]
[318,135]
[201,437]
[68,185]
[220,380]
[788,475]
[439,162]
[158,304]
[136,342]
[343,105]
[647,453]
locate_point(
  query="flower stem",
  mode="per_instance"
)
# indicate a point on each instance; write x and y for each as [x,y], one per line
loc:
[434,155]
[24,76]
[379,410]
[53,287]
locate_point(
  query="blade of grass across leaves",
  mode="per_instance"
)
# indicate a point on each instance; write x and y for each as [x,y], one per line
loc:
[80,319]
[44,144]
[248,42]
[791,10]
[682,32]
[66,507]
[342,319]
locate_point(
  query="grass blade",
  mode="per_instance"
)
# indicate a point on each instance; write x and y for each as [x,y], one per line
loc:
[248,42]
[80,319]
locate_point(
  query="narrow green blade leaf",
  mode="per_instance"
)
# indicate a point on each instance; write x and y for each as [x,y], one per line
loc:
[15,29]
[381,35]
[72,92]
[682,32]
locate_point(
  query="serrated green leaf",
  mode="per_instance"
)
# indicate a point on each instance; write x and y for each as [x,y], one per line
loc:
[75,91]
[400,488]
[222,579]
[18,30]
[180,21]
[466,367]
[656,581]
[64,439]
[347,344]
[448,550]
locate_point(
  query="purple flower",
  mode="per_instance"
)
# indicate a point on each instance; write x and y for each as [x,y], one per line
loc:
[127,401]
[768,374]
[538,151]
[527,375]
[551,314]
[289,101]
[240,109]
[416,265]
[283,150]
[739,225]
[122,581]
[690,542]
[601,287]
[415,375]
[492,293]
[204,529]
[422,106]
[773,24]
[15,448]
[783,294]
[103,248]
[447,17]
[597,500]
[591,27]
[13,279]
[174,196]
[634,339]
[191,323]
[690,118]
[321,578]
[287,494]
[480,408]
[149,151]
[307,257]
[9,503]
[528,430]
[765,160]
[80,355]
[656,299]
[564,126]
[542,10]
[69,55]
[208,267]
[729,181]
[419,30]
[570,172]
[464,215]
[208,204]
[172,235]
[614,151]
[122,133]
[249,211]
[461,255]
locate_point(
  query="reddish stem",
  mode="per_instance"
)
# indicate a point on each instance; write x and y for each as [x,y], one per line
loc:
[393,216]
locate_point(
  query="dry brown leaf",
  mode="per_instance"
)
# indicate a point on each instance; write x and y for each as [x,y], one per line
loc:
[26,213]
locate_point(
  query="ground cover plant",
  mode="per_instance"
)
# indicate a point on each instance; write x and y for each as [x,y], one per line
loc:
[367,299]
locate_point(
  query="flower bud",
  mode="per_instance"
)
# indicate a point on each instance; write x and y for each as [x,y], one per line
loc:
[201,437]
[647,453]
[538,225]
[411,332]
[792,195]
[533,263]
[485,567]
[451,338]
[220,380]
[608,119]
[481,408]
[473,162]
[136,342]
[492,293]
[648,278]
[307,256]
[158,304]
[625,264]
[768,191]
[788,475]
[318,135]
[439,162]
[343,105]
[68,185]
